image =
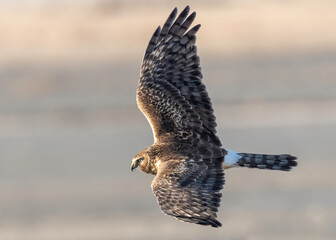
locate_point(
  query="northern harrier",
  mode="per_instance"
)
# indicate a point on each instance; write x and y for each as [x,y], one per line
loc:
[187,157]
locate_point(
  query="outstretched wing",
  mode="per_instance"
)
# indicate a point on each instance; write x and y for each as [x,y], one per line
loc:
[170,92]
[189,190]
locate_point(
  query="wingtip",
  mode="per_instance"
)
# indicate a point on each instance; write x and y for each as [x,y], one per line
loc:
[185,11]
[157,31]
[197,27]
[214,223]
[194,30]
[174,12]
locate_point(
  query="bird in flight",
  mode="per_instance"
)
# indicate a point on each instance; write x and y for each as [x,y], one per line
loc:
[187,157]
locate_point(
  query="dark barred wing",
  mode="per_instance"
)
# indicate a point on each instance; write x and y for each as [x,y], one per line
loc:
[189,190]
[167,111]
[170,88]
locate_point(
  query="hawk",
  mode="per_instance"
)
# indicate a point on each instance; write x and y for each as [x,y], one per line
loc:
[187,157]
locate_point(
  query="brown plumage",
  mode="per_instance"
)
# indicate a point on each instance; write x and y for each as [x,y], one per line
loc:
[187,157]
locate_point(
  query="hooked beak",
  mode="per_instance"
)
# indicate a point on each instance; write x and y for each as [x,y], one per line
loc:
[134,165]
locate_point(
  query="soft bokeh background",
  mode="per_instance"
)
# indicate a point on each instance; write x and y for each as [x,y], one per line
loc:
[69,124]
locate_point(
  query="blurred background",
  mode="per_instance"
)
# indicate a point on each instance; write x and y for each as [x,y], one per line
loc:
[69,124]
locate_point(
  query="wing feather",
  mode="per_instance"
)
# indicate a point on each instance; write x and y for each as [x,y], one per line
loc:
[171,59]
[189,190]
[153,41]
[168,23]
[169,114]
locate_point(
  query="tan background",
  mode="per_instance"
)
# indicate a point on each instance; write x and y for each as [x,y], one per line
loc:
[69,125]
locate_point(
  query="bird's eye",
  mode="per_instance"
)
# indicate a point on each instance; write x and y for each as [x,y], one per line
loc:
[139,160]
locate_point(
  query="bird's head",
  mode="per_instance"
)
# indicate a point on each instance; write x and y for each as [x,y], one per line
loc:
[140,160]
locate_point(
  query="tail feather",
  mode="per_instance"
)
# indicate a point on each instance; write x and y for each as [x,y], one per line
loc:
[283,162]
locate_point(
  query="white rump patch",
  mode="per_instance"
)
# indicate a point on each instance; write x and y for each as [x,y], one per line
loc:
[231,158]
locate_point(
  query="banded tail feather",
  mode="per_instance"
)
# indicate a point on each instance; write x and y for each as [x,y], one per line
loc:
[282,162]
